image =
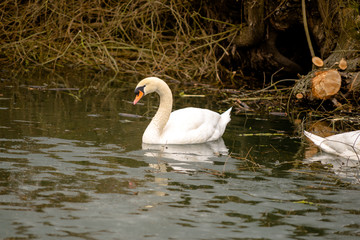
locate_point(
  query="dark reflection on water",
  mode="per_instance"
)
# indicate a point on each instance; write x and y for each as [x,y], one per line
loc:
[77,170]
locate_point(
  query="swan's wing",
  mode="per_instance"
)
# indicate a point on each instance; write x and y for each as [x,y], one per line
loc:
[351,138]
[190,125]
[345,144]
[340,148]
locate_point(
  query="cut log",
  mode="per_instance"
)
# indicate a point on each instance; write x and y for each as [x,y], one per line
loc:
[325,84]
[343,64]
[299,96]
[317,61]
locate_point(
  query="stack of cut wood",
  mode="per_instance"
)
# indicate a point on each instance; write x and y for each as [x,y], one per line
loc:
[325,83]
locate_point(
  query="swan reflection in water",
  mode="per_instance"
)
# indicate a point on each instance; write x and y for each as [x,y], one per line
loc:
[182,157]
[343,167]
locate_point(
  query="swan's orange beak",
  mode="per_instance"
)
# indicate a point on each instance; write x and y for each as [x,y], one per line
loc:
[138,97]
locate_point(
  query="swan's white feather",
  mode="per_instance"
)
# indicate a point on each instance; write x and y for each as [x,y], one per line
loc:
[346,144]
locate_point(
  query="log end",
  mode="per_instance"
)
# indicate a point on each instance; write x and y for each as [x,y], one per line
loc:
[326,84]
[317,61]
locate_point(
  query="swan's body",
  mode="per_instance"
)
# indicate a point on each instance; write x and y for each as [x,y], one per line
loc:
[346,144]
[183,126]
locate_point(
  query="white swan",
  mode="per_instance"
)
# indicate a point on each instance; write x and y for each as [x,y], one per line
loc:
[346,145]
[183,126]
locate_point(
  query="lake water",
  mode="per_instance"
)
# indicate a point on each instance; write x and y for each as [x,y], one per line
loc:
[76,169]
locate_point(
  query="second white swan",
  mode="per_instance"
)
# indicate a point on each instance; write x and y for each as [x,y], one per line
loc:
[183,126]
[346,145]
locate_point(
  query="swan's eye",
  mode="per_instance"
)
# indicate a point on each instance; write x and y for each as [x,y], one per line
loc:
[140,89]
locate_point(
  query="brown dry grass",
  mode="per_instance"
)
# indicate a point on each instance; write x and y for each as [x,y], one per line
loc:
[164,37]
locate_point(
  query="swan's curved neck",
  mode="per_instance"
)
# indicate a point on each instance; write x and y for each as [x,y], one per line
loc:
[163,113]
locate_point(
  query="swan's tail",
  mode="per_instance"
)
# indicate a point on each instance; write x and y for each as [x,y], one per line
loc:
[315,138]
[225,117]
[221,126]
